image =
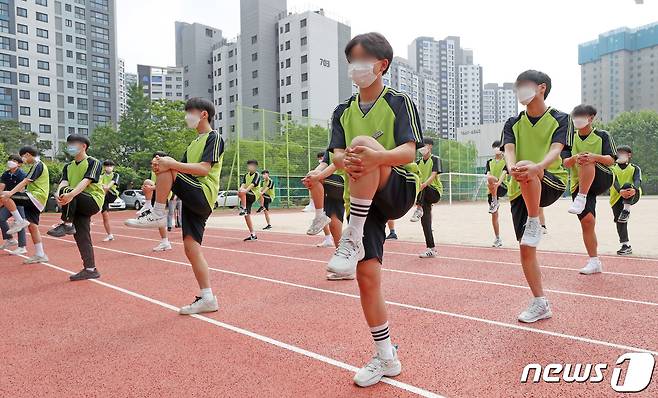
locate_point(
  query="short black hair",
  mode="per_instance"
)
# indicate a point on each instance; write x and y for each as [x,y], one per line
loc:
[15,158]
[252,161]
[536,77]
[77,138]
[265,172]
[374,43]
[624,148]
[320,155]
[496,144]
[584,110]
[108,162]
[28,149]
[162,154]
[428,141]
[201,104]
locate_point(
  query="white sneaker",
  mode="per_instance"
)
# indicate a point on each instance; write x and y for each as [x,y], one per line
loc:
[108,238]
[318,224]
[377,368]
[544,230]
[163,246]
[200,306]
[19,251]
[17,226]
[9,243]
[36,259]
[532,234]
[593,266]
[494,206]
[326,242]
[497,243]
[578,205]
[143,210]
[537,310]
[418,213]
[429,253]
[337,277]
[349,252]
[148,220]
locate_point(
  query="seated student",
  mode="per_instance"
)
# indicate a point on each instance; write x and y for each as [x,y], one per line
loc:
[80,195]
[591,154]
[149,187]
[9,179]
[248,193]
[430,193]
[110,183]
[31,194]
[626,191]
[496,172]
[195,181]
[267,196]
[374,137]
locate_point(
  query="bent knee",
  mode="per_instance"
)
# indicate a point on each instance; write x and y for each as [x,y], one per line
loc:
[522,163]
[364,140]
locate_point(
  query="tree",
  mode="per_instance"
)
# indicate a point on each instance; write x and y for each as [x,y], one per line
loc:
[13,137]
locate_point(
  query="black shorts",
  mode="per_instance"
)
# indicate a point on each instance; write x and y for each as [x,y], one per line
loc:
[334,204]
[109,198]
[251,198]
[390,203]
[501,192]
[266,202]
[32,213]
[195,209]
[619,205]
[600,185]
[428,196]
[551,190]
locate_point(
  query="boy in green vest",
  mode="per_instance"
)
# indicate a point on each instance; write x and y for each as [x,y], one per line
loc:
[592,153]
[431,190]
[110,183]
[496,172]
[195,181]
[267,196]
[626,191]
[533,141]
[248,193]
[80,195]
[374,137]
[31,194]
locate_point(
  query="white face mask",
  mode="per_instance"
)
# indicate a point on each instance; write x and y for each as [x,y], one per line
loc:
[580,122]
[622,158]
[526,94]
[11,164]
[424,150]
[192,120]
[497,152]
[362,73]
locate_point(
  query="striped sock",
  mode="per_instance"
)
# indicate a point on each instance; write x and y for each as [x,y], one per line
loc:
[358,212]
[382,341]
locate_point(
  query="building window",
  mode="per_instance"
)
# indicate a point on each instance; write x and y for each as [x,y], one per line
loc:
[288,98]
[304,95]
[305,112]
[287,62]
[287,47]
[254,57]
[22,77]
[231,113]
[43,65]
[6,111]
[41,49]
[304,59]
[22,45]
[209,32]
[302,23]
[44,113]
[304,77]
[5,60]
[25,111]
[288,80]
[21,12]
[287,27]
[254,74]
[41,17]
[24,94]
[44,97]
[304,41]
[43,81]
[254,39]
[254,91]
[22,29]
[44,129]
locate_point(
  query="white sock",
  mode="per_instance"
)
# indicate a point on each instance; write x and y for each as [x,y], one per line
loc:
[582,195]
[494,199]
[627,206]
[159,209]
[17,216]
[626,243]
[319,212]
[206,294]
[148,205]
[90,269]
[358,213]
[328,238]
[39,249]
[540,300]
[382,338]
[164,240]
[594,258]
[68,224]
[534,219]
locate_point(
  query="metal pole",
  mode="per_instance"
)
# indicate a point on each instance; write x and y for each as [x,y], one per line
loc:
[287,161]
[308,141]
[450,188]
[237,130]
[262,111]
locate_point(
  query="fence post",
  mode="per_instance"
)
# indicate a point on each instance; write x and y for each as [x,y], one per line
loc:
[262,112]
[237,145]
[287,162]
[450,188]
[308,141]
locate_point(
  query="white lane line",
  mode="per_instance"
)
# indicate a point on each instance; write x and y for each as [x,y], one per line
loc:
[393,303]
[310,354]
[453,278]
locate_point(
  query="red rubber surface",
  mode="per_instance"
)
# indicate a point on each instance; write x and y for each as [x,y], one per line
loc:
[453,317]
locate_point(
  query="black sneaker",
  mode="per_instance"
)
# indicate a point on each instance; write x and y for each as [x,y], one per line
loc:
[250,238]
[625,250]
[260,209]
[61,230]
[243,211]
[168,229]
[624,216]
[392,236]
[85,274]
[268,226]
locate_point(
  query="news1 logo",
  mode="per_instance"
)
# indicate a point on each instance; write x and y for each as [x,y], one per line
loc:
[636,378]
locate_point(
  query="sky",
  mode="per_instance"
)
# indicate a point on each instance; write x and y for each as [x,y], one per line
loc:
[507,36]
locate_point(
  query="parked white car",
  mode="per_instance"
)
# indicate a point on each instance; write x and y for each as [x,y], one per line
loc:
[118,204]
[133,198]
[227,199]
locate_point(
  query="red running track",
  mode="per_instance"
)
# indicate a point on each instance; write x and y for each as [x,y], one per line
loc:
[282,330]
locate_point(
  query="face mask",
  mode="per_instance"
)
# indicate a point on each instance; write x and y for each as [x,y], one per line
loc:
[526,94]
[497,151]
[24,159]
[73,150]
[362,73]
[622,159]
[424,150]
[192,120]
[580,122]
[108,170]
[11,164]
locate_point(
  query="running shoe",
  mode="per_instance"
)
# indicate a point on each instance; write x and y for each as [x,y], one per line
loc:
[593,266]
[497,243]
[326,242]
[36,259]
[84,275]
[337,277]
[250,238]
[418,213]
[147,220]
[625,250]
[537,310]
[62,229]
[108,238]
[494,206]
[162,246]
[532,234]
[624,216]
[17,226]
[199,306]
[392,236]
[578,205]
[9,243]
[377,368]
[349,252]
[429,253]
[268,226]
[319,222]
[19,251]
